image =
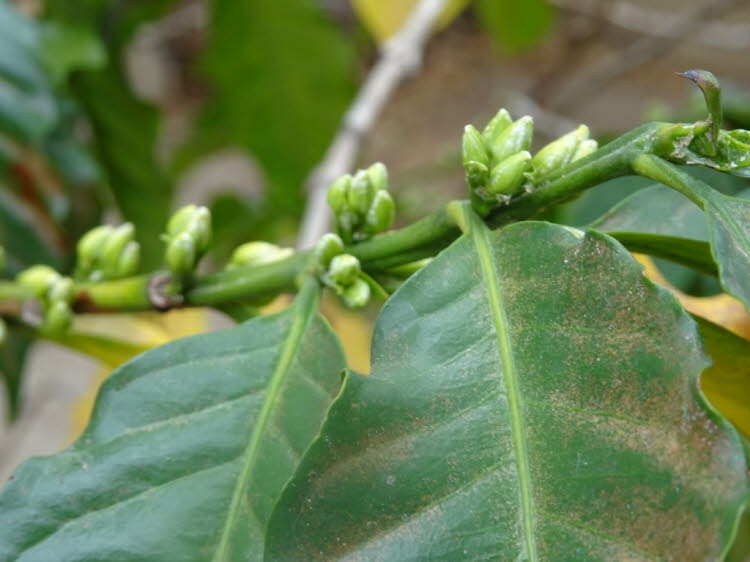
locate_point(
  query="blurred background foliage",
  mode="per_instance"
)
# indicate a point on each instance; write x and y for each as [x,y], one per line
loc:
[116,110]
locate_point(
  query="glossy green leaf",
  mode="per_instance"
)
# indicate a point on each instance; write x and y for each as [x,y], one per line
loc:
[726,383]
[187,451]
[533,397]
[727,220]
[282,94]
[515,25]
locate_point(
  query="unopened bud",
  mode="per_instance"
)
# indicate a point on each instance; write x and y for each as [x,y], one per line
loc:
[130,260]
[559,152]
[338,193]
[515,138]
[473,148]
[329,246]
[200,228]
[381,214]
[39,278]
[585,148]
[508,176]
[357,294]
[180,256]
[180,219]
[346,222]
[61,290]
[477,175]
[497,125]
[344,270]
[378,176]
[58,317]
[361,193]
[114,245]
[258,253]
[90,246]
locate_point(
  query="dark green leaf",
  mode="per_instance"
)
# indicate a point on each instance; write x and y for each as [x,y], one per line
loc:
[13,352]
[727,218]
[283,77]
[515,25]
[20,236]
[533,397]
[187,451]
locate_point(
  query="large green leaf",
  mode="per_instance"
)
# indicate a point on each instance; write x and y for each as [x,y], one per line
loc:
[187,450]
[727,219]
[533,397]
[283,76]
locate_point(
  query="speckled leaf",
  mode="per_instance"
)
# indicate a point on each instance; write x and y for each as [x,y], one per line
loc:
[188,449]
[533,397]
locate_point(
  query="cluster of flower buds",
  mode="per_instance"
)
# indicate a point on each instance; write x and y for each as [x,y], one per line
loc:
[187,238]
[361,203]
[497,159]
[341,272]
[257,253]
[107,252]
[55,293]
[498,163]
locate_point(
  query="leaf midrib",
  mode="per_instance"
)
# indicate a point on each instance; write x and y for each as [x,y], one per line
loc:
[305,305]
[480,235]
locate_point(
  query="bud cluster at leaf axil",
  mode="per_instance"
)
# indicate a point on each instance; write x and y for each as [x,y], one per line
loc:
[341,272]
[55,293]
[187,238]
[498,163]
[106,252]
[361,203]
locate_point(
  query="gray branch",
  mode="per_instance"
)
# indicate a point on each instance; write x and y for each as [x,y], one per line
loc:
[400,57]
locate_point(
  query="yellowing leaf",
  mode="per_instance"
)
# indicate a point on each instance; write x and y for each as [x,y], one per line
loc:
[727,382]
[383,18]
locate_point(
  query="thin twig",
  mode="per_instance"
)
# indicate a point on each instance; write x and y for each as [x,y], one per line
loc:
[400,56]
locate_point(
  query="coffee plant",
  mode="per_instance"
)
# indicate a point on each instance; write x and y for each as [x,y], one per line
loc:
[533,395]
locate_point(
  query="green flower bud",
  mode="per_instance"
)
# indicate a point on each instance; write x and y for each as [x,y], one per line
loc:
[38,278]
[381,214]
[585,148]
[200,228]
[130,259]
[344,270]
[497,125]
[109,258]
[508,176]
[346,223]
[357,294]
[61,290]
[378,174]
[361,193]
[477,175]
[90,246]
[515,138]
[328,247]
[180,256]
[258,253]
[58,317]
[338,194]
[180,220]
[473,147]
[559,152]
